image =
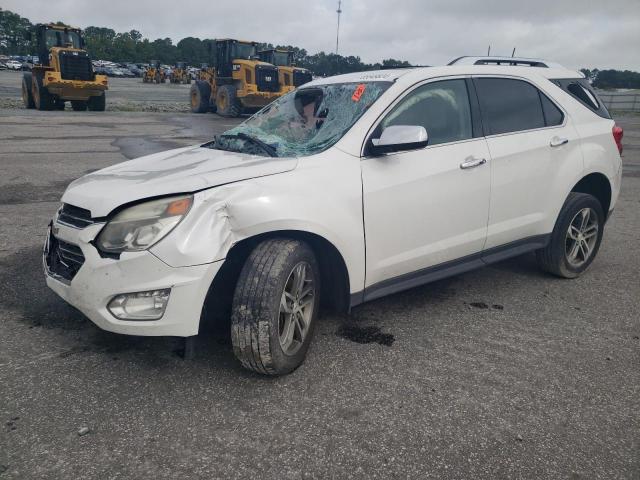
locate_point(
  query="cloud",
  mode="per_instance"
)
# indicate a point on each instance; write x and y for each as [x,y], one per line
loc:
[576,33]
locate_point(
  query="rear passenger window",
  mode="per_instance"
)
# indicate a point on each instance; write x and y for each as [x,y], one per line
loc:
[509,105]
[552,114]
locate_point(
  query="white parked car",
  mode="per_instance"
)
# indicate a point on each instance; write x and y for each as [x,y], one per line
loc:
[13,65]
[348,189]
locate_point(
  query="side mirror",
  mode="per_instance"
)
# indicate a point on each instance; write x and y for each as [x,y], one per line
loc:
[399,137]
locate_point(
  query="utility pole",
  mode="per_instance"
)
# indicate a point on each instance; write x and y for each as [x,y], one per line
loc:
[339,11]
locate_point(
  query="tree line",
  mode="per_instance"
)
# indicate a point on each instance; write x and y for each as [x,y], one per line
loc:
[106,44]
[608,79]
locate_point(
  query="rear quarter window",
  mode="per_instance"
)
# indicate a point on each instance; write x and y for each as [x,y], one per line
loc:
[580,89]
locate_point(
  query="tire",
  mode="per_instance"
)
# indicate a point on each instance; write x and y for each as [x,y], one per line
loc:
[78,105]
[98,103]
[200,95]
[27,90]
[42,100]
[58,104]
[227,103]
[570,252]
[259,334]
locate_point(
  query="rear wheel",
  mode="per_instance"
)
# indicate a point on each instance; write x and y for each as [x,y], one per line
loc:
[576,237]
[275,306]
[78,105]
[42,99]
[97,104]
[27,87]
[200,95]
[227,102]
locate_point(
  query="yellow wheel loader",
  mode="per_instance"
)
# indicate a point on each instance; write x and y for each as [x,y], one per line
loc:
[180,74]
[290,76]
[206,73]
[64,72]
[154,73]
[237,83]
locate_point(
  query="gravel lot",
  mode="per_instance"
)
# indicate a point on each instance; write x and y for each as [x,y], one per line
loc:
[125,94]
[499,373]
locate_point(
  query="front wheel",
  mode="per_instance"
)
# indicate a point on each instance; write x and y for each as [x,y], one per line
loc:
[200,96]
[97,103]
[576,237]
[275,306]
[27,89]
[227,103]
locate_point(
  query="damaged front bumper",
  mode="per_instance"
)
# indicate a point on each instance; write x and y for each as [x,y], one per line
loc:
[98,280]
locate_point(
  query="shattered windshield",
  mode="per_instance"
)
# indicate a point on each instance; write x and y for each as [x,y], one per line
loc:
[304,122]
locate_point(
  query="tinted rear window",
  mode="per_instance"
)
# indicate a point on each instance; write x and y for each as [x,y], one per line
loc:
[509,105]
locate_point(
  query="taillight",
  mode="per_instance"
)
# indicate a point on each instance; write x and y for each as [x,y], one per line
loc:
[617,136]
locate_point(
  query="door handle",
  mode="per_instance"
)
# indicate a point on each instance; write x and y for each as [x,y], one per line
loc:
[558,142]
[472,162]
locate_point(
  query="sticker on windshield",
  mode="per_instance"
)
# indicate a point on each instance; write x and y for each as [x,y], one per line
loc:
[358,93]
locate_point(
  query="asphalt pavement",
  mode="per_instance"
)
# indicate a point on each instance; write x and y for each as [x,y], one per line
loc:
[503,372]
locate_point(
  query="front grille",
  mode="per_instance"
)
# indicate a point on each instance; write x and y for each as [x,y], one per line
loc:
[267,79]
[74,216]
[300,77]
[75,66]
[62,259]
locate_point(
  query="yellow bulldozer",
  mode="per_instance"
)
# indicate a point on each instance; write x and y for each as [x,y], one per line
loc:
[290,76]
[154,73]
[239,82]
[64,72]
[180,74]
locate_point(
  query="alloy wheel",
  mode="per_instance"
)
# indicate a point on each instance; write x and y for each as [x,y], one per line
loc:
[296,308]
[582,237]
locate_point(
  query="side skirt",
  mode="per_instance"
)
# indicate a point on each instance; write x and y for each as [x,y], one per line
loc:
[449,269]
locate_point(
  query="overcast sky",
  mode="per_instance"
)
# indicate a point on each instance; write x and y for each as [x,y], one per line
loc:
[577,33]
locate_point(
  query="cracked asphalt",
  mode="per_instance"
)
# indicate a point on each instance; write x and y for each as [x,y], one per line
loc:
[503,372]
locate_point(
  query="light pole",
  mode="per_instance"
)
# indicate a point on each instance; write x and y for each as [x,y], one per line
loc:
[339,11]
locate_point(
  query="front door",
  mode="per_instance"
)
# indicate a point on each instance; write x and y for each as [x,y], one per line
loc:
[424,208]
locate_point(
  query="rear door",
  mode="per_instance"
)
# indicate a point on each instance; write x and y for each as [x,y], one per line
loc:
[534,150]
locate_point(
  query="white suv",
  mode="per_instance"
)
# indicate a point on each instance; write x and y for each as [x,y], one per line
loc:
[348,189]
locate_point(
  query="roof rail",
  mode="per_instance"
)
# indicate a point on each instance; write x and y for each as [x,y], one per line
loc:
[507,61]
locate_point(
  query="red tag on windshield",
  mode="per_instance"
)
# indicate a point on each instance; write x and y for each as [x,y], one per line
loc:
[358,93]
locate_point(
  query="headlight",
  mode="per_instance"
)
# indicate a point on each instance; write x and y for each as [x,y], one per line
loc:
[141,226]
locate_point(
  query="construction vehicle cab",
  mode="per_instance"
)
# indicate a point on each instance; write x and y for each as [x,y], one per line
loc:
[290,76]
[64,72]
[154,73]
[180,74]
[238,82]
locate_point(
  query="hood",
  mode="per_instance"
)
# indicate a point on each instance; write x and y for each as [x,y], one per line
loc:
[175,171]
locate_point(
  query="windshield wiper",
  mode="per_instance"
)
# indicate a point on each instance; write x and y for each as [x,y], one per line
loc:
[271,151]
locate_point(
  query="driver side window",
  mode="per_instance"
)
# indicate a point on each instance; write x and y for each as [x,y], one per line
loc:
[442,108]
